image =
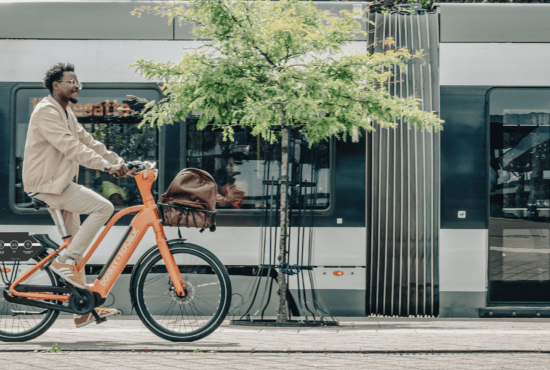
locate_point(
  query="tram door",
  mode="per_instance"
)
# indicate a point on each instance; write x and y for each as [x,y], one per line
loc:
[519,218]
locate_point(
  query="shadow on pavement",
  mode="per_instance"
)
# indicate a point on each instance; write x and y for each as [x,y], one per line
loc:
[107,345]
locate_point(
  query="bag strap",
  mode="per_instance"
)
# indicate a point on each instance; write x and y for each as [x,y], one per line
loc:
[207,221]
[194,219]
[179,219]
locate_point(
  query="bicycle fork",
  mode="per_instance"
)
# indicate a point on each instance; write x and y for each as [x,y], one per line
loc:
[169,261]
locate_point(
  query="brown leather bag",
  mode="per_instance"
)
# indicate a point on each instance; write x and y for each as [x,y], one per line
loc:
[190,200]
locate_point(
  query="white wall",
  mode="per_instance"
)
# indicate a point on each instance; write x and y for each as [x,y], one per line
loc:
[463,260]
[494,64]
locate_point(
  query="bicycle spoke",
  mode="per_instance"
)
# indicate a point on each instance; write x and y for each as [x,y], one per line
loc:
[152,280]
[200,309]
[24,327]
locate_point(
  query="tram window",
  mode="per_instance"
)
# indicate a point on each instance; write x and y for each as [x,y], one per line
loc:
[519,193]
[519,153]
[98,111]
[239,167]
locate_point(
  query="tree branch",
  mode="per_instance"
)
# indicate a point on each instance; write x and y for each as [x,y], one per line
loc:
[237,22]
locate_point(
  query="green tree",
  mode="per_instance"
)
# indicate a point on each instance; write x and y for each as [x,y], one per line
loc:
[278,63]
[388,6]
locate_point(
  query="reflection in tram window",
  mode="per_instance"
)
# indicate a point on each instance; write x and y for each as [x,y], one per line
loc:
[519,188]
[104,113]
[239,167]
[519,165]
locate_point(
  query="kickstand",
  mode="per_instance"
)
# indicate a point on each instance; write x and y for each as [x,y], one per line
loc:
[98,320]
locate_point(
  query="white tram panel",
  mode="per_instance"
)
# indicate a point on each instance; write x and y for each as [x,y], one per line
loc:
[494,64]
[463,260]
[94,60]
[97,60]
[230,245]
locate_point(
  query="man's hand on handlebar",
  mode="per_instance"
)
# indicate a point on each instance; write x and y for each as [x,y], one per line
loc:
[132,172]
[119,170]
[131,168]
[139,166]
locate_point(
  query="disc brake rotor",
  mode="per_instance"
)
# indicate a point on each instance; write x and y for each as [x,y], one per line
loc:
[189,294]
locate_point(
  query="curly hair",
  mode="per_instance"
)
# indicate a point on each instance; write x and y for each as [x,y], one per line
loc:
[55,73]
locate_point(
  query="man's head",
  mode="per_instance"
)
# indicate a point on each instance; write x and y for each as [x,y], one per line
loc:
[234,160]
[59,80]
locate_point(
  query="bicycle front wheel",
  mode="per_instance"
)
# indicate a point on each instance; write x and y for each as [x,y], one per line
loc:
[19,323]
[207,294]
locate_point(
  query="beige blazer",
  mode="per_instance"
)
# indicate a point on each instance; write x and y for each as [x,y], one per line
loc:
[56,146]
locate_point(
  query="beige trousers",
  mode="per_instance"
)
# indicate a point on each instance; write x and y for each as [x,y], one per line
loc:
[74,201]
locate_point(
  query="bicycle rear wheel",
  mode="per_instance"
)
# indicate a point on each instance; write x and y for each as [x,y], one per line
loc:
[207,294]
[19,323]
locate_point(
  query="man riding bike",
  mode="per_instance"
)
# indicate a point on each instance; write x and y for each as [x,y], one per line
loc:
[56,146]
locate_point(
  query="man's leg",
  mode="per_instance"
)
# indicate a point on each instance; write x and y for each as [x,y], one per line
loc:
[74,200]
[70,220]
[72,225]
[77,199]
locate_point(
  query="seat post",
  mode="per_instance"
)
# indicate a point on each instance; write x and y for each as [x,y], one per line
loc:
[61,223]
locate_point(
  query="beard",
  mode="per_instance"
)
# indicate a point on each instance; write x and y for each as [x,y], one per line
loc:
[74,101]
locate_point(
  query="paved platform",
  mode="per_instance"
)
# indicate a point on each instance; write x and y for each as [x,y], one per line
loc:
[366,335]
[374,343]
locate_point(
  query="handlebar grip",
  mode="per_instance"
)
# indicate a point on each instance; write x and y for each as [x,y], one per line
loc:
[132,165]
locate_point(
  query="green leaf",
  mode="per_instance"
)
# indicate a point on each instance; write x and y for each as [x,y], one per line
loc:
[257,67]
[54,349]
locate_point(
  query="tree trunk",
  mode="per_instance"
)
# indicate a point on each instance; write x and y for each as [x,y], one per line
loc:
[282,312]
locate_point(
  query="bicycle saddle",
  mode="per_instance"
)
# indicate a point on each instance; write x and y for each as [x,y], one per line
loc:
[37,204]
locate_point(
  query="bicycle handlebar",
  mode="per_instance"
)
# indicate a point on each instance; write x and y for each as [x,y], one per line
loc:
[143,167]
[140,166]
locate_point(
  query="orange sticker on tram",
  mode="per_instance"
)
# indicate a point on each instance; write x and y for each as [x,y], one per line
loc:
[97,110]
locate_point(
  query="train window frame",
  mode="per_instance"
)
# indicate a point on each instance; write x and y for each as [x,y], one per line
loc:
[191,119]
[489,297]
[91,85]
[488,143]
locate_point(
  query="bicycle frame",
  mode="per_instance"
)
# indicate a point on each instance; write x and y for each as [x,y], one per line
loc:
[147,217]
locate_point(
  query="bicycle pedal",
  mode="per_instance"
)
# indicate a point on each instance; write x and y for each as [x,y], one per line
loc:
[98,320]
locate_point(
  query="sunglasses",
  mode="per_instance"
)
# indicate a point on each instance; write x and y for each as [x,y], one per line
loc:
[73,82]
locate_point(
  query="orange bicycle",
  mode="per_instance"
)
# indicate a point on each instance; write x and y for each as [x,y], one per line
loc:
[181,291]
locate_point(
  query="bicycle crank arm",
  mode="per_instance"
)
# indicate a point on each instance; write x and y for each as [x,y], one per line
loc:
[35,303]
[24,313]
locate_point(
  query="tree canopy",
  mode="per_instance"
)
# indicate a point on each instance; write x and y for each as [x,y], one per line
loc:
[268,63]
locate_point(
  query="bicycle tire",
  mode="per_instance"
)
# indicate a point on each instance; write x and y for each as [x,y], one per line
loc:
[36,328]
[200,312]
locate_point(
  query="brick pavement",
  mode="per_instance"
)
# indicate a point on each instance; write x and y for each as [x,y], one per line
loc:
[372,343]
[365,334]
[244,361]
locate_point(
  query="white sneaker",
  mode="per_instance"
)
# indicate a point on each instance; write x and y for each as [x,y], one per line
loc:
[88,318]
[68,272]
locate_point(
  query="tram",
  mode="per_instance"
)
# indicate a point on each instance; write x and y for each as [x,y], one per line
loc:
[461,231]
